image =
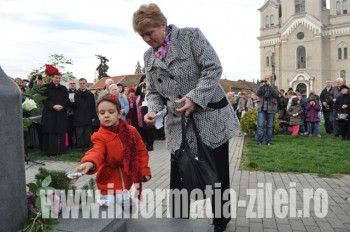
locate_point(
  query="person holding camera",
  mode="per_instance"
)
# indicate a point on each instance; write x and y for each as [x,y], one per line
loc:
[267,107]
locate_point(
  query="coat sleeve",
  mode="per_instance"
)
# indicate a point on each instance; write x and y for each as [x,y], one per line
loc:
[47,102]
[211,69]
[142,153]
[96,154]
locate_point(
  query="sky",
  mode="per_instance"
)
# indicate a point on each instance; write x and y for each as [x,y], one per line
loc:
[80,29]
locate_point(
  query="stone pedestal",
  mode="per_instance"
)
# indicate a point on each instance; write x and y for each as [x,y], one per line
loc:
[13,201]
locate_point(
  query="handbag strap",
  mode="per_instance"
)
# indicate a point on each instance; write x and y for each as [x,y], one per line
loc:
[195,129]
[183,126]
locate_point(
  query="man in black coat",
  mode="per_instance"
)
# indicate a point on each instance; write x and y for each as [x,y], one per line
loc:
[70,113]
[84,115]
[327,107]
[54,116]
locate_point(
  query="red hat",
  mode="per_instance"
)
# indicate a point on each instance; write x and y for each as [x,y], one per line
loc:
[51,70]
[131,90]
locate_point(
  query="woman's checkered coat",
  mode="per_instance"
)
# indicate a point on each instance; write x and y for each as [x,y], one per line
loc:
[192,69]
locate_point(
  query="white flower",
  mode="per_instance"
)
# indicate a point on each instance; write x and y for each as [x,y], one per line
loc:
[29,104]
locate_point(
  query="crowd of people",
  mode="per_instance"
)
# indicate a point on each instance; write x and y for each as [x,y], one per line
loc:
[68,114]
[301,114]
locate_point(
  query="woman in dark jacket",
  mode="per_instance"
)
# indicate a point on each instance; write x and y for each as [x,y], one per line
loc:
[342,105]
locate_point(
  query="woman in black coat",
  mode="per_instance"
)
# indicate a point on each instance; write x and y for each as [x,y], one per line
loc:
[342,105]
[54,117]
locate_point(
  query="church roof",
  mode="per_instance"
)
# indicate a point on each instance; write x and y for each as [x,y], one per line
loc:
[270,2]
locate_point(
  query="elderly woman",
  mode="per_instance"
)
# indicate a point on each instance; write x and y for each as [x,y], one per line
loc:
[342,105]
[183,73]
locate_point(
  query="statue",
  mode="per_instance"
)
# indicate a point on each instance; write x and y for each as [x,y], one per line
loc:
[102,68]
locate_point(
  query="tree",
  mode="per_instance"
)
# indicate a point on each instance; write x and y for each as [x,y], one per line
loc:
[138,69]
[60,62]
[102,68]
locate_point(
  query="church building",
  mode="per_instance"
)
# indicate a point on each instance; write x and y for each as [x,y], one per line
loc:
[305,42]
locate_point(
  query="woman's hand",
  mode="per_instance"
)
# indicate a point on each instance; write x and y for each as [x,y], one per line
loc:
[82,168]
[150,118]
[189,106]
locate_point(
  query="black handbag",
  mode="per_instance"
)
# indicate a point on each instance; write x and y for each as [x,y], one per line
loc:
[342,116]
[196,170]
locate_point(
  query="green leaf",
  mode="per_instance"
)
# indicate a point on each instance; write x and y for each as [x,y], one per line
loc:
[37,97]
[32,187]
[26,123]
[46,182]
[37,202]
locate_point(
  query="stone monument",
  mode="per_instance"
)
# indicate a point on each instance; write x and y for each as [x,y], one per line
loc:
[13,200]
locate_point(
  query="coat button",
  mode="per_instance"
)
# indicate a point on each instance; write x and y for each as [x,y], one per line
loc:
[175,115]
[171,77]
[179,96]
[160,80]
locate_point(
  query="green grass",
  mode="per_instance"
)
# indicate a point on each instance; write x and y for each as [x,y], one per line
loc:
[324,156]
[71,156]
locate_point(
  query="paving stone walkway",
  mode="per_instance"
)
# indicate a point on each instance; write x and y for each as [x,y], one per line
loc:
[255,192]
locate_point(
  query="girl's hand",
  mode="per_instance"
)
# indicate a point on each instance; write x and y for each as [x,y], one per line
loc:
[82,168]
[146,178]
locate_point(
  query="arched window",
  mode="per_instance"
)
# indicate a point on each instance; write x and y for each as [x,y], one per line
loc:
[299,6]
[267,61]
[301,57]
[339,53]
[267,21]
[324,3]
[345,53]
[338,8]
[345,7]
[343,74]
[272,20]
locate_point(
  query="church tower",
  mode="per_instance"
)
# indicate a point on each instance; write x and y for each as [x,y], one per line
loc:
[304,43]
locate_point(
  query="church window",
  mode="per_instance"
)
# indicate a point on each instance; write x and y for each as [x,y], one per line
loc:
[345,7]
[300,35]
[301,57]
[343,74]
[345,53]
[267,61]
[272,20]
[324,3]
[339,53]
[267,21]
[299,6]
[338,8]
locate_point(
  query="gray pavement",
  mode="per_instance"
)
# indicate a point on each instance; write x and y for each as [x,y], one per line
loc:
[312,203]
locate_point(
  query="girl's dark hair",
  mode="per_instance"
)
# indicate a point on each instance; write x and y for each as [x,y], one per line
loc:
[109,98]
[294,101]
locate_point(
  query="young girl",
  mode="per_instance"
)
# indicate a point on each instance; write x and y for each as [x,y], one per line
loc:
[312,119]
[294,112]
[118,155]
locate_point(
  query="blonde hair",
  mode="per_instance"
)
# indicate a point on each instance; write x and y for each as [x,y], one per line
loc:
[148,15]
[112,85]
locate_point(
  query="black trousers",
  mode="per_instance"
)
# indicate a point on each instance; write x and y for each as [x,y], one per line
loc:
[328,121]
[221,159]
[83,135]
[71,130]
